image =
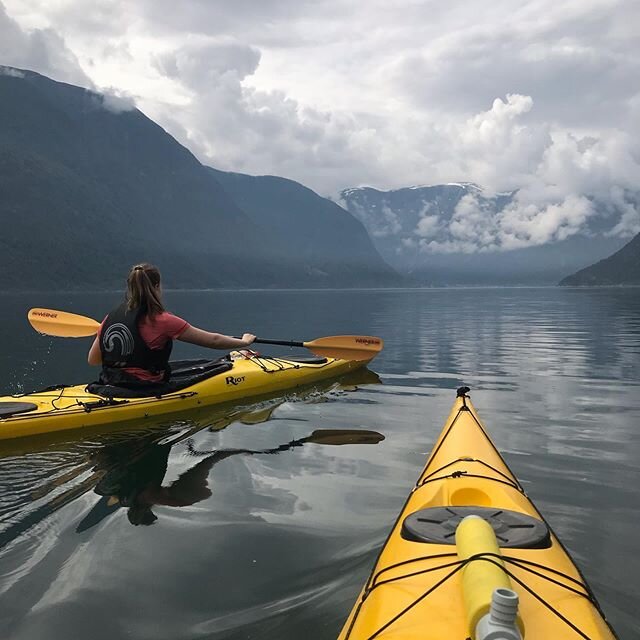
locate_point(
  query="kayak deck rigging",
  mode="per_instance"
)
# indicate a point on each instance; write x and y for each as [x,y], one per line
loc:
[419,586]
[68,407]
[554,577]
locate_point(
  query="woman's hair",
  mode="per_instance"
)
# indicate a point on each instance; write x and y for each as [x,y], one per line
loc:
[143,289]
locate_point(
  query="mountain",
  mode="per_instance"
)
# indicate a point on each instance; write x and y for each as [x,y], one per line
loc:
[622,268]
[90,186]
[412,229]
[298,222]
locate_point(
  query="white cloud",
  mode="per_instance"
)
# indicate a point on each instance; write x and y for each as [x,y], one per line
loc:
[427,226]
[472,228]
[561,180]
[526,225]
[11,72]
[116,101]
[535,96]
[629,222]
[498,147]
[41,50]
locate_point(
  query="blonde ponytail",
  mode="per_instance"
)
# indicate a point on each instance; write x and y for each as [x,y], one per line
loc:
[143,289]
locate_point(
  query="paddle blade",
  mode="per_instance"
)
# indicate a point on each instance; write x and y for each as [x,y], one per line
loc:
[62,324]
[346,347]
[344,436]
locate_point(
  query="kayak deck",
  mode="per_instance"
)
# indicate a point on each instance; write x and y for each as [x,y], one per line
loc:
[416,589]
[72,407]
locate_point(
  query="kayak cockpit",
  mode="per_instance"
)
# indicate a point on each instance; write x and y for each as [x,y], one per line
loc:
[184,373]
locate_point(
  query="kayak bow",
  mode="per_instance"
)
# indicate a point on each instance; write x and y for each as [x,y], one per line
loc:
[470,557]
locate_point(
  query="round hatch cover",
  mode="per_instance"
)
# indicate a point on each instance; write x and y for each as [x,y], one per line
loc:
[438,525]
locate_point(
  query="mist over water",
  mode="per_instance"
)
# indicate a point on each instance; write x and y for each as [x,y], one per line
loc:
[256,528]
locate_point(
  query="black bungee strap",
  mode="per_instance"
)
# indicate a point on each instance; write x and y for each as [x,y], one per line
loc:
[457,565]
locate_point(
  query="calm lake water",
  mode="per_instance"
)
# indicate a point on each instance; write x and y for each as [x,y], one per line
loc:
[277,545]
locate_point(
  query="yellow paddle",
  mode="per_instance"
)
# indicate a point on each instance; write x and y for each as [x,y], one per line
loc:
[71,325]
[62,324]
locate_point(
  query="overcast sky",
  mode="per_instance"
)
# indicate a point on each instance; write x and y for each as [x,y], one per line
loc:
[537,95]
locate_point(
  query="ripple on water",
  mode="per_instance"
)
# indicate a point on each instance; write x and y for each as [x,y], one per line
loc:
[277,545]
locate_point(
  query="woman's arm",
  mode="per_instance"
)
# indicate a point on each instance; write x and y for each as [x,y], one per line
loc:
[95,356]
[214,340]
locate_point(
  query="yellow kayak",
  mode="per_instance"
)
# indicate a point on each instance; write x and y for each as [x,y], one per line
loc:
[471,558]
[196,384]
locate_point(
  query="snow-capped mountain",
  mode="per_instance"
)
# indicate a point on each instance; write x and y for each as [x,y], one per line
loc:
[457,233]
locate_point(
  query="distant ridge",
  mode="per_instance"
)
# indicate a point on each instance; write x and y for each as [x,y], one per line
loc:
[622,268]
[91,185]
[298,221]
[436,235]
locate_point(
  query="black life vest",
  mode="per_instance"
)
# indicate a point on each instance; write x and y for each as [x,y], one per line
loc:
[121,345]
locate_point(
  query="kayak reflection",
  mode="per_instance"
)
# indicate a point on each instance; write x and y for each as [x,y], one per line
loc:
[132,473]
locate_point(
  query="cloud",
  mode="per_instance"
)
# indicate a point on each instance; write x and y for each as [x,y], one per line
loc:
[560,181]
[41,50]
[477,226]
[535,97]
[572,57]
[204,63]
[472,228]
[235,126]
[116,101]
[498,147]
[427,226]
[628,206]
[529,225]
[11,72]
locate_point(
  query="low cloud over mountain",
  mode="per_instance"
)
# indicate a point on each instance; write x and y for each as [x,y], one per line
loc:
[460,234]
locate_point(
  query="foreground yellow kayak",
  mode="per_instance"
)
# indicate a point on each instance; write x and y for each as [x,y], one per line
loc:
[195,384]
[470,557]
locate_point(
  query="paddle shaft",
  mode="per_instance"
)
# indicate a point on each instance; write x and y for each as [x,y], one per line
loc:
[282,343]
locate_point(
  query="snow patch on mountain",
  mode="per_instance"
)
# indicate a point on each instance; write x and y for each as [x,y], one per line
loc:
[417,227]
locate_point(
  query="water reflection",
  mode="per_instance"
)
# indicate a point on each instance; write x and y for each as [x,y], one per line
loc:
[463,332]
[132,473]
[554,374]
[40,476]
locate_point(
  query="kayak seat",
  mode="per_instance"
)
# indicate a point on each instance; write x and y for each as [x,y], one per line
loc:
[438,525]
[184,373]
[8,409]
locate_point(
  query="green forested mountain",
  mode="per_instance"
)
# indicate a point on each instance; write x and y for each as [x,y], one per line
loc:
[89,188]
[622,268]
[296,220]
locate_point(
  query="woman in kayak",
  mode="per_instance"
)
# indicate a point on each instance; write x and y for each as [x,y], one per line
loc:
[134,341]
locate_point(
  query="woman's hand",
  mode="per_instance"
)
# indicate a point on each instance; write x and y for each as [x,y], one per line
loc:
[248,338]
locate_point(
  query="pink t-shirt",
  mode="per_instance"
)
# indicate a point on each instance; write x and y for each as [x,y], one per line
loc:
[155,332]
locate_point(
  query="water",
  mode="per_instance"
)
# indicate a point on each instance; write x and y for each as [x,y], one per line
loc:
[247,543]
